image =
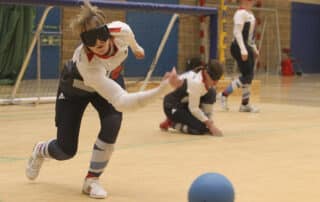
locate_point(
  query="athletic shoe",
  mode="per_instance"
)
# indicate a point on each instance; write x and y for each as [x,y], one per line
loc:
[223,101]
[249,108]
[165,125]
[35,162]
[92,187]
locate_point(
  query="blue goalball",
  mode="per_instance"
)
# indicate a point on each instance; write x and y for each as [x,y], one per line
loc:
[211,187]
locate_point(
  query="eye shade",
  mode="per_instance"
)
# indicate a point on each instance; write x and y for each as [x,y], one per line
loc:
[90,37]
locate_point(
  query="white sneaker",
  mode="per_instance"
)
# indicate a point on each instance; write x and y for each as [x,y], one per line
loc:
[92,187]
[223,101]
[35,162]
[249,108]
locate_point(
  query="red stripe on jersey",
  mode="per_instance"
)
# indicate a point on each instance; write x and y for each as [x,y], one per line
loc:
[115,29]
[116,72]
[90,55]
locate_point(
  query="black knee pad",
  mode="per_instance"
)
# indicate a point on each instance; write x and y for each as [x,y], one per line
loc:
[57,152]
[110,126]
[246,79]
[209,97]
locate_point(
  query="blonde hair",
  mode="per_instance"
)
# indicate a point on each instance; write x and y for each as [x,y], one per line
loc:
[88,15]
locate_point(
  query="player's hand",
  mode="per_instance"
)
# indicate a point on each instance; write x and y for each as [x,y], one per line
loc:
[256,54]
[214,131]
[139,54]
[244,57]
[173,78]
[167,75]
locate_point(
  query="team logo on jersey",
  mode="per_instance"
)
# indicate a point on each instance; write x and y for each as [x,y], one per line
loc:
[61,96]
[173,111]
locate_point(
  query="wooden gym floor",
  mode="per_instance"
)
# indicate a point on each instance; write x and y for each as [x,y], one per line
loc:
[272,156]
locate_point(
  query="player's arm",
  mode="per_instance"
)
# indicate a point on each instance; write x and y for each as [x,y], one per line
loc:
[194,100]
[207,109]
[252,44]
[239,20]
[194,90]
[127,32]
[118,97]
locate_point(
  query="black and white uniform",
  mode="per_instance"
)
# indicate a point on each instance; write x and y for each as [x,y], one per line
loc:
[191,104]
[243,43]
[89,78]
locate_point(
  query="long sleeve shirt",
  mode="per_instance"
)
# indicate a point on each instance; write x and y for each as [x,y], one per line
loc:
[244,30]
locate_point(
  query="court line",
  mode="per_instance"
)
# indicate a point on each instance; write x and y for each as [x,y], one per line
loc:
[51,114]
[7,159]
[186,138]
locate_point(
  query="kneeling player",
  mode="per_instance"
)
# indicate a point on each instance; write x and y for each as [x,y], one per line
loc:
[189,107]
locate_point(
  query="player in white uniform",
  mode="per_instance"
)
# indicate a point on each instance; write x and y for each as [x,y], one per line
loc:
[93,76]
[244,51]
[189,108]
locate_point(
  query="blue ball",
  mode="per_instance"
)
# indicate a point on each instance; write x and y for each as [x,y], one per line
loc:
[211,187]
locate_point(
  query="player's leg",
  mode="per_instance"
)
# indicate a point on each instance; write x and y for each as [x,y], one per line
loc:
[207,101]
[69,111]
[185,122]
[236,83]
[247,72]
[166,124]
[167,107]
[110,121]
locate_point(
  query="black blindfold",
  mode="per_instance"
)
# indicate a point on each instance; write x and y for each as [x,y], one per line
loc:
[90,37]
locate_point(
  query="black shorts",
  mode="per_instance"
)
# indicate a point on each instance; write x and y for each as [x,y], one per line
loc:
[246,68]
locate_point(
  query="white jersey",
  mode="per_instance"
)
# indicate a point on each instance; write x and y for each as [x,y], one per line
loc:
[196,89]
[244,29]
[95,70]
